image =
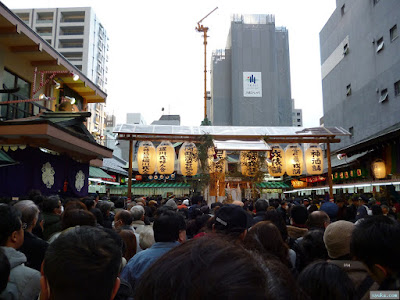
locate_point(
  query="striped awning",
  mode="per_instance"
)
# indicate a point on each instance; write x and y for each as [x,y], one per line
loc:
[98,173]
[273,185]
[160,185]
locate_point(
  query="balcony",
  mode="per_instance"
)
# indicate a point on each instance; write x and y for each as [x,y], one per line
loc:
[73,17]
[70,43]
[44,17]
[71,30]
[44,31]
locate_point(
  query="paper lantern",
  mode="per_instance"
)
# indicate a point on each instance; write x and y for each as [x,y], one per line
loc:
[188,159]
[249,163]
[314,160]
[294,160]
[146,158]
[277,164]
[216,161]
[379,169]
[165,160]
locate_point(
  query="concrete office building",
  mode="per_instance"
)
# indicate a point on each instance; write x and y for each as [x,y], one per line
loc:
[297,116]
[360,67]
[135,118]
[79,36]
[250,79]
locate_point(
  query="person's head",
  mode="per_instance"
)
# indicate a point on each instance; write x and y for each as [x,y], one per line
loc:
[238,203]
[52,205]
[337,238]
[261,205]
[265,238]
[4,270]
[105,208]
[146,237]
[313,246]
[318,219]
[385,209]
[129,238]
[82,263]
[119,203]
[171,203]
[376,242]
[89,202]
[207,268]
[74,217]
[29,213]
[231,220]
[11,232]
[122,218]
[169,227]
[276,218]
[74,204]
[376,210]
[298,215]
[323,280]
[137,212]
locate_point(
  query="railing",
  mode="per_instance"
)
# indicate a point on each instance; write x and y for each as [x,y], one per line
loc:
[12,111]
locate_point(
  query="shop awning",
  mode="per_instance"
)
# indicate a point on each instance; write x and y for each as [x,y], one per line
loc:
[273,185]
[103,181]
[6,160]
[98,173]
[161,185]
[236,145]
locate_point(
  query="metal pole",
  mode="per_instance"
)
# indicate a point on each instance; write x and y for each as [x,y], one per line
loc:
[130,169]
[205,72]
[328,157]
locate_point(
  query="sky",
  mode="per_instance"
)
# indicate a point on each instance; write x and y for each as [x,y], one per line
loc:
[156,57]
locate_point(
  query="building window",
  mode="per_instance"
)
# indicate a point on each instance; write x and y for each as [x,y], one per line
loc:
[345,49]
[379,45]
[348,90]
[298,120]
[351,131]
[342,10]
[384,95]
[393,33]
[397,88]
[376,2]
[298,114]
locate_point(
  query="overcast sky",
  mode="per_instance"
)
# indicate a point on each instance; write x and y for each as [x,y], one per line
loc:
[157,57]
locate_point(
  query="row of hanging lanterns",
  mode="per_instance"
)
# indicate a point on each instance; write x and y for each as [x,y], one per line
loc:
[289,161]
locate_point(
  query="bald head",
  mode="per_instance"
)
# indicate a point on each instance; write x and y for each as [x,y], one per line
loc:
[238,203]
[318,219]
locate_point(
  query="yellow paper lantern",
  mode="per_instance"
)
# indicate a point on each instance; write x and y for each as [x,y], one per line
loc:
[314,160]
[294,160]
[277,163]
[146,158]
[379,169]
[216,161]
[249,163]
[165,161]
[188,159]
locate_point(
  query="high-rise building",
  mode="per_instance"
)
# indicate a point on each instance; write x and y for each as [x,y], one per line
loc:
[360,67]
[250,79]
[297,116]
[79,36]
[135,118]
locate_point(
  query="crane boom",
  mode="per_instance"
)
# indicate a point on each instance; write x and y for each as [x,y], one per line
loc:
[201,28]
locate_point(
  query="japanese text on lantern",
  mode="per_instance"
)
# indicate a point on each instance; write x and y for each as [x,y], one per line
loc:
[296,162]
[146,160]
[162,158]
[316,160]
[276,161]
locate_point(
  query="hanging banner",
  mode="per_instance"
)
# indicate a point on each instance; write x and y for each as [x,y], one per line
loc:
[252,84]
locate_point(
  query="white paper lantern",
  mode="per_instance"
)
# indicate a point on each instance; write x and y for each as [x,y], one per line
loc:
[165,161]
[188,159]
[216,161]
[146,158]
[249,163]
[294,160]
[277,164]
[379,169]
[314,160]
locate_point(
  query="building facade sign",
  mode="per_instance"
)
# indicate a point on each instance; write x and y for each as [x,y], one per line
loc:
[252,84]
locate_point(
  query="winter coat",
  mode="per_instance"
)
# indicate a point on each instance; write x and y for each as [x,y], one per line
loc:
[23,279]
[52,224]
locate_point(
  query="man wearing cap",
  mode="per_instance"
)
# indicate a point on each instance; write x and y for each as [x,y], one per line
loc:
[362,209]
[231,220]
[337,237]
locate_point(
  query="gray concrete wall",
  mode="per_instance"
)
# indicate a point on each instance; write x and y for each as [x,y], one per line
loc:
[367,71]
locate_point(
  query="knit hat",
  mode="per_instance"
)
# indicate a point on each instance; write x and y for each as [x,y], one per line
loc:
[171,203]
[185,202]
[337,238]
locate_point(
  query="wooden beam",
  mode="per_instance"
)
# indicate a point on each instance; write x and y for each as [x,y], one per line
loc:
[130,170]
[73,85]
[8,29]
[84,94]
[26,48]
[328,157]
[37,63]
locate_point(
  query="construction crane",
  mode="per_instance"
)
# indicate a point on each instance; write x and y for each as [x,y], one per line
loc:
[201,28]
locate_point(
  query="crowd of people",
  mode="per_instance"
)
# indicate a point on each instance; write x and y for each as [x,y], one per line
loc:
[181,248]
